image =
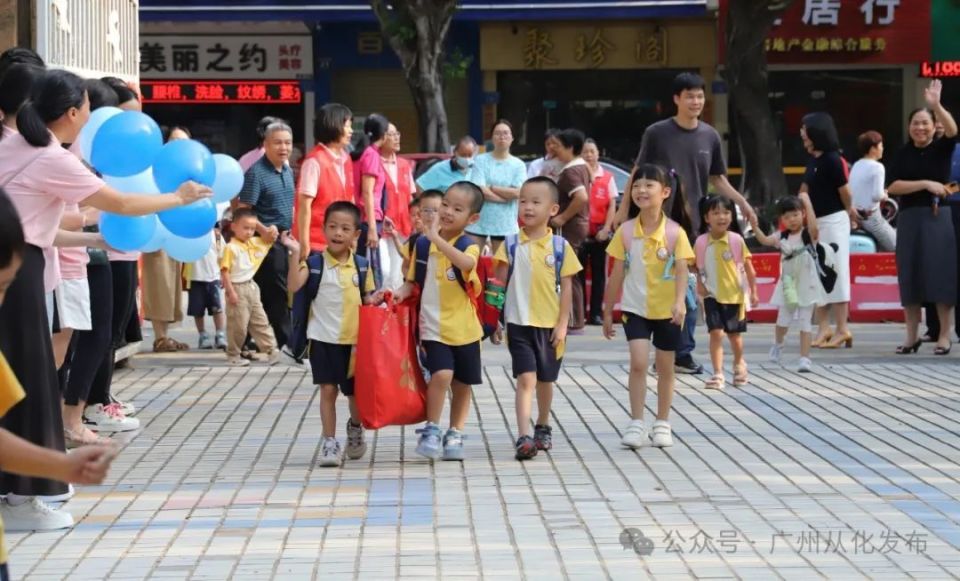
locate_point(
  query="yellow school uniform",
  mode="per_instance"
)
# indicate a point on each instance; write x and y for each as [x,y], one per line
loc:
[646,293]
[335,312]
[242,259]
[531,292]
[721,272]
[447,314]
[10,394]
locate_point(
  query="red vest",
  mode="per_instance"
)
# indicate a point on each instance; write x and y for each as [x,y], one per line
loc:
[601,196]
[398,197]
[329,190]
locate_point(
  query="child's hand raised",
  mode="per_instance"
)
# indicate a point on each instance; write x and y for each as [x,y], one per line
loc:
[290,242]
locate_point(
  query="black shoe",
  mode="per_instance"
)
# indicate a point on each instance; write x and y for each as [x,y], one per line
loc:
[688,365]
[543,436]
[595,321]
[526,448]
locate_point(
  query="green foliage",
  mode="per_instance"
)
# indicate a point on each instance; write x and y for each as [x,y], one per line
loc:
[457,64]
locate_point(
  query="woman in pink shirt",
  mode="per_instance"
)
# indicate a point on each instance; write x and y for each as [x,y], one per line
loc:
[370,179]
[40,176]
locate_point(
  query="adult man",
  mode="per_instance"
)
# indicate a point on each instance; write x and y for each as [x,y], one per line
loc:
[692,148]
[443,174]
[268,188]
[253,156]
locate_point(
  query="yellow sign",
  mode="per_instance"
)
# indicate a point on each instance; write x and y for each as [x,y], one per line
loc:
[536,51]
[826,44]
[596,48]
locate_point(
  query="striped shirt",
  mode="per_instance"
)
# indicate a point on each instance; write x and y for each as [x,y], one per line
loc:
[270,193]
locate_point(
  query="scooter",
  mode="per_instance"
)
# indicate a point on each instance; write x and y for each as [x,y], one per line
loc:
[861,241]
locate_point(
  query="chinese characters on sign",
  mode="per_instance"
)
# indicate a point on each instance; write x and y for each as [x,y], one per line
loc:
[222,57]
[222,92]
[596,48]
[537,49]
[827,12]
[592,48]
[824,44]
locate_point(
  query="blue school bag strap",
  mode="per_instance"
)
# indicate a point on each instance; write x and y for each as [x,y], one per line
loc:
[559,251]
[423,258]
[300,311]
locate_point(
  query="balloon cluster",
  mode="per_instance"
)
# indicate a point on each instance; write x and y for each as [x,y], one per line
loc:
[127,148]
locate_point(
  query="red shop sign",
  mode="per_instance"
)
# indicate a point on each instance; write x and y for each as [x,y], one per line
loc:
[221,92]
[851,31]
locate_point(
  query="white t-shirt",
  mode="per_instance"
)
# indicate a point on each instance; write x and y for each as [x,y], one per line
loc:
[866,183]
[207,269]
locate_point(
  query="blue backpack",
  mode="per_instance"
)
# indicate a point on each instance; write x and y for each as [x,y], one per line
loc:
[303,298]
[559,249]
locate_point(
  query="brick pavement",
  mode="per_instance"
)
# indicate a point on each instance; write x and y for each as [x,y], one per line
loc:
[850,472]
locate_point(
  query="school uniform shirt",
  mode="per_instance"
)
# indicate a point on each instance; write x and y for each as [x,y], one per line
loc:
[645,291]
[722,274]
[532,298]
[242,259]
[447,314]
[335,312]
[10,394]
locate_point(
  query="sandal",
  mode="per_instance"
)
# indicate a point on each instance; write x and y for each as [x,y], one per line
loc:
[820,340]
[168,345]
[943,350]
[84,437]
[715,382]
[740,376]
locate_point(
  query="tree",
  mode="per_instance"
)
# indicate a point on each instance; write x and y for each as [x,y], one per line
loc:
[747,26]
[416,31]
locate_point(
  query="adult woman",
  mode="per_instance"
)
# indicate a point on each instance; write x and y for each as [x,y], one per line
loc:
[825,194]
[400,189]
[867,179]
[500,175]
[369,179]
[40,176]
[603,210]
[326,176]
[926,242]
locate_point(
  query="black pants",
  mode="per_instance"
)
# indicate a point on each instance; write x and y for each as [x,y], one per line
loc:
[125,322]
[933,320]
[92,350]
[593,254]
[272,280]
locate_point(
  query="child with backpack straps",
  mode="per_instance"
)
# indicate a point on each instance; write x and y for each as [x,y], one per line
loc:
[726,282]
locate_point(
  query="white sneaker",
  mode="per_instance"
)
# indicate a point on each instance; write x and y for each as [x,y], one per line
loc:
[804,365]
[356,445]
[331,453]
[60,497]
[108,418]
[33,515]
[635,436]
[204,342]
[126,407]
[238,362]
[662,435]
[776,352]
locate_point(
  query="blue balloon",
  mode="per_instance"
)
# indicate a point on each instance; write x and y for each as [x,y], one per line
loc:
[182,160]
[229,180]
[141,183]
[127,233]
[126,144]
[191,221]
[89,131]
[187,249]
[159,238]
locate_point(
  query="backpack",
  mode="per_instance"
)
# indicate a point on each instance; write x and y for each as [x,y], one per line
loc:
[559,249]
[736,249]
[488,315]
[824,257]
[672,231]
[303,298]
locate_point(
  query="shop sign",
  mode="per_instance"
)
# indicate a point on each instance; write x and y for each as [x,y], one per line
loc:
[226,57]
[939,69]
[221,92]
[831,31]
[593,47]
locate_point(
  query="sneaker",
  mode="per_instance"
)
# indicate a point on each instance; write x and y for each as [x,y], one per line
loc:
[543,436]
[453,445]
[635,436]
[776,352]
[238,362]
[108,418]
[661,435]
[428,445]
[526,448]
[273,357]
[127,408]
[59,497]
[204,342]
[688,366]
[220,341]
[805,365]
[33,515]
[330,454]
[356,446]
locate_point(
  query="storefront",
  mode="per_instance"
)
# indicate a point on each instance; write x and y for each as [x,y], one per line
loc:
[944,60]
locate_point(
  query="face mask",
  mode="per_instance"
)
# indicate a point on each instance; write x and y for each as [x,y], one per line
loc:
[465,162]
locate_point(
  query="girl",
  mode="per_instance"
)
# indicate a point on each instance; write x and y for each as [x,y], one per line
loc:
[650,255]
[799,290]
[723,266]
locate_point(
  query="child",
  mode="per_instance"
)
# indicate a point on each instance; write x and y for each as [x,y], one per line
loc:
[427,204]
[450,330]
[334,316]
[650,254]
[723,270]
[241,259]
[84,465]
[204,293]
[536,311]
[799,289]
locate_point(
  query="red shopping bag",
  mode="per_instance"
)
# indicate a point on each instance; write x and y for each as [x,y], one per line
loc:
[389,384]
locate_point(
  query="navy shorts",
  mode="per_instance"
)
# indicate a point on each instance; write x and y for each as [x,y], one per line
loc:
[331,365]
[463,360]
[530,350]
[723,317]
[203,298]
[666,335]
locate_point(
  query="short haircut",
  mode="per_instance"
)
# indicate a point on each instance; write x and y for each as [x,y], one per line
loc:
[552,132]
[466,139]
[278,125]
[789,204]
[241,213]
[11,231]
[427,194]
[476,204]
[546,182]
[572,138]
[868,140]
[328,127]
[688,81]
[263,124]
[414,203]
[346,208]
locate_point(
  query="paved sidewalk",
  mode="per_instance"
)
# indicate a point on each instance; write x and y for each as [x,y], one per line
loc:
[851,472]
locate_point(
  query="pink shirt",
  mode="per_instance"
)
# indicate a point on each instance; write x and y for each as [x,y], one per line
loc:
[73,259]
[370,164]
[251,157]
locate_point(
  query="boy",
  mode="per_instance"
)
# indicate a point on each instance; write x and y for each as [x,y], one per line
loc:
[241,259]
[334,317]
[204,293]
[426,204]
[450,330]
[536,311]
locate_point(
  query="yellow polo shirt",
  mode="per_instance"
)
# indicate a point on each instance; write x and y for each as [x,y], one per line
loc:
[447,314]
[531,292]
[335,312]
[10,394]
[242,259]
[721,275]
[646,292]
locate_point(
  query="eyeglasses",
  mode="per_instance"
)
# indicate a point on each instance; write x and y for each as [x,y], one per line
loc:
[502,134]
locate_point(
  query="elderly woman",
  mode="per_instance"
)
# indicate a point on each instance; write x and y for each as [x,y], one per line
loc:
[926,242]
[867,182]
